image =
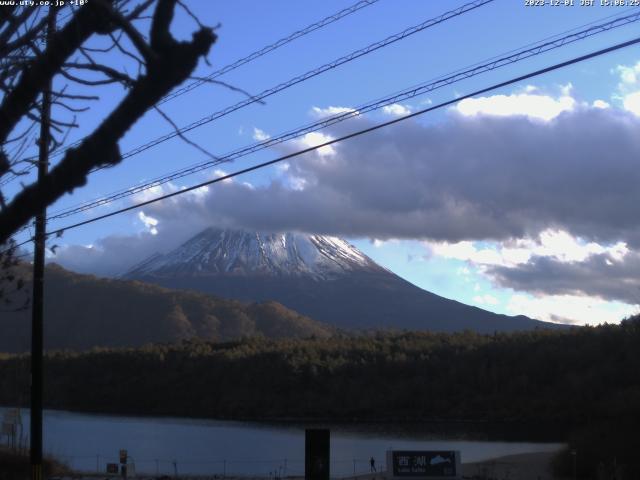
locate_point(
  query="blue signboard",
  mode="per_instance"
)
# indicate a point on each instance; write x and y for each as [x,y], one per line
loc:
[424,463]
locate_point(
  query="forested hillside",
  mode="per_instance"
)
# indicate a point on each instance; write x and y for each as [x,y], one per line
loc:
[570,377]
[83,311]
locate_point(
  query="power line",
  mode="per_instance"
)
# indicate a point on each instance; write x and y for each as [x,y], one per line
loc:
[301,78]
[269,48]
[15,247]
[311,74]
[232,66]
[496,62]
[358,133]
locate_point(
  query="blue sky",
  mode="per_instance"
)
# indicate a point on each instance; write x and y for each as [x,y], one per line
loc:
[455,201]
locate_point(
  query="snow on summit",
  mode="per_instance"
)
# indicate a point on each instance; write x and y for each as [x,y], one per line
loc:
[238,252]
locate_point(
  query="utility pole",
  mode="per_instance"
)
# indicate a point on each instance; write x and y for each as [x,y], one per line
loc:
[37,334]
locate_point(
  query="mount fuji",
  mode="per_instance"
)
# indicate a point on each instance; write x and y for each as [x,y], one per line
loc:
[240,253]
[322,277]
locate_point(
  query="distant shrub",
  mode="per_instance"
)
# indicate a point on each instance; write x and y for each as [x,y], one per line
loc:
[16,466]
[602,450]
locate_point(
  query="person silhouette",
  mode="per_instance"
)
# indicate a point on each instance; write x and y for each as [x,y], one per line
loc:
[372,462]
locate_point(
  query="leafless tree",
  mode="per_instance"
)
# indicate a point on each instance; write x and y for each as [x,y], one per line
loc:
[91,48]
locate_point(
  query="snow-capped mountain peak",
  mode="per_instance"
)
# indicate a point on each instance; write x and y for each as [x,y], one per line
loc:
[322,277]
[237,252]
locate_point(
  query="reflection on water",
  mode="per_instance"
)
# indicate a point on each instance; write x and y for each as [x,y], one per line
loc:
[199,446]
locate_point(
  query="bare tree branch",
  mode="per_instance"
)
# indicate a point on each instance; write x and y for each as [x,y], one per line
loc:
[42,69]
[134,35]
[182,136]
[172,62]
[117,42]
[229,86]
[113,74]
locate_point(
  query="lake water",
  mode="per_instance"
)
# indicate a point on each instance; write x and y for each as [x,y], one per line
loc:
[199,446]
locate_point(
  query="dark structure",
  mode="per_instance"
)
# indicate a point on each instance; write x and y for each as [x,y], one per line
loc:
[316,454]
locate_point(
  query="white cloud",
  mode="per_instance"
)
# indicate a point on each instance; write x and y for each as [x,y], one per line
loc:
[555,267]
[115,254]
[316,138]
[331,111]
[600,104]
[466,251]
[557,244]
[379,243]
[576,309]
[154,192]
[566,89]
[629,87]
[166,188]
[486,300]
[297,183]
[219,173]
[149,222]
[463,271]
[629,75]
[631,102]
[260,135]
[535,106]
[283,167]
[202,192]
[397,110]
[566,248]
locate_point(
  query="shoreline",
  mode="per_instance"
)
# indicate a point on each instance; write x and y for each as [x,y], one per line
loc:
[403,421]
[523,466]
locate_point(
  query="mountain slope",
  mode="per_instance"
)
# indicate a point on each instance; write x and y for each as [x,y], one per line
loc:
[224,252]
[322,277]
[83,311]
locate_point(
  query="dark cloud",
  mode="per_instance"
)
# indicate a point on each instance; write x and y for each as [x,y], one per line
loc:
[467,178]
[599,275]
